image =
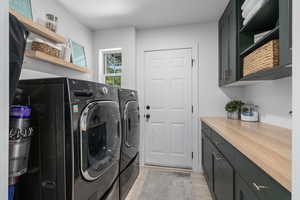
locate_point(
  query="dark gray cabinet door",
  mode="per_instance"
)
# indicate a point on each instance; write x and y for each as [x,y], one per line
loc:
[285,20]
[223,46]
[223,177]
[228,45]
[242,191]
[207,161]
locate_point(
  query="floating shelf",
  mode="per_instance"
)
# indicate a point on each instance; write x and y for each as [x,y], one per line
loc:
[274,34]
[270,74]
[265,18]
[57,61]
[39,29]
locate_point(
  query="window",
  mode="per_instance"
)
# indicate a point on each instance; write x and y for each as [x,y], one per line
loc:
[113,68]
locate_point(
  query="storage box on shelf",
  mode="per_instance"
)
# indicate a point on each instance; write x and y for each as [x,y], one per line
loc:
[264,58]
[45,48]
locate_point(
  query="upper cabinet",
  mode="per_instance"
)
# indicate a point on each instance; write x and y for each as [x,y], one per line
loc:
[255,41]
[285,8]
[228,45]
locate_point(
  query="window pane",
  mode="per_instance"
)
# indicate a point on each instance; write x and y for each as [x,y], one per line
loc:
[117,81]
[113,63]
[109,80]
[113,80]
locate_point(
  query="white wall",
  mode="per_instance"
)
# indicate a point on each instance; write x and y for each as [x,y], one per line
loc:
[203,39]
[274,99]
[296,101]
[69,28]
[4,96]
[124,38]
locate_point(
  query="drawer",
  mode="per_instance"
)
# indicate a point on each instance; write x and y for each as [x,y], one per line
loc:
[224,147]
[261,183]
[242,190]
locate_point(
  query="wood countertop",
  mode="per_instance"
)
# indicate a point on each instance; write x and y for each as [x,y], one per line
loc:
[268,146]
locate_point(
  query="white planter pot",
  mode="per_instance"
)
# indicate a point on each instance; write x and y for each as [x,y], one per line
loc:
[233,115]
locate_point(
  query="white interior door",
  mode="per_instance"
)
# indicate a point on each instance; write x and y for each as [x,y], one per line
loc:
[168,94]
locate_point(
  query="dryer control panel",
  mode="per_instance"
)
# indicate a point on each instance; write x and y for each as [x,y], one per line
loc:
[91,91]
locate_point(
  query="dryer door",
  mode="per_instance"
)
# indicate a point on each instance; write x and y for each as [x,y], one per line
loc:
[99,138]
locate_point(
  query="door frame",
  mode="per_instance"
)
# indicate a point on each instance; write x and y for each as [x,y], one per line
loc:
[195,99]
[4,100]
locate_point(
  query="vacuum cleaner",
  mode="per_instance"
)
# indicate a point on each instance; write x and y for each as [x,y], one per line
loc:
[20,130]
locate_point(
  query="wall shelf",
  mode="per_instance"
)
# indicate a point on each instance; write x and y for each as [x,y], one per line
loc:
[39,29]
[270,74]
[57,61]
[274,34]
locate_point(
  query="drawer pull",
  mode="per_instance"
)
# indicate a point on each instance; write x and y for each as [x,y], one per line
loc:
[219,143]
[217,157]
[260,187]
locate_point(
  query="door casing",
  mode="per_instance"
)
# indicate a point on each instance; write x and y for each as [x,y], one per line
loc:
[4,100]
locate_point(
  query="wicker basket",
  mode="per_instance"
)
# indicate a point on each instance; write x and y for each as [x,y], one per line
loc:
[265,57]
[45,48]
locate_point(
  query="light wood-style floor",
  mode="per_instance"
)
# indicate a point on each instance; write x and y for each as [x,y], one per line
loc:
[200,189]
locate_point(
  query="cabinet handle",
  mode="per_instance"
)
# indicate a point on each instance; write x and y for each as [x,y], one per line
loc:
[219,143]
[225,75]
[260,187]
[217,157]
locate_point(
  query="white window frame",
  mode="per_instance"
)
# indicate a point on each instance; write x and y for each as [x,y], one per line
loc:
[104,67]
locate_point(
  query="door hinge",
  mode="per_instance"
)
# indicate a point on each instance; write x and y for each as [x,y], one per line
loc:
[192,109]
[192,155]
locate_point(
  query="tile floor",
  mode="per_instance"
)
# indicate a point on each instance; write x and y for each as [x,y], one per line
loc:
[199,187]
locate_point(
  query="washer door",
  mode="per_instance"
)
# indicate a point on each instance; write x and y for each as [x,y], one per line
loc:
[99,138]
[132,128]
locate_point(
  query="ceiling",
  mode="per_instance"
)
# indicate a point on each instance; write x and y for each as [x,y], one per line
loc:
[102,14]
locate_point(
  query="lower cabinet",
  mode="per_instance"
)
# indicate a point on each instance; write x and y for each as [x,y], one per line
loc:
[242,191]
[219,173]
[231,176]
[207,161]
[223,177]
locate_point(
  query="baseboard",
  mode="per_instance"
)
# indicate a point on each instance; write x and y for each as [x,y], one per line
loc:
[170,169]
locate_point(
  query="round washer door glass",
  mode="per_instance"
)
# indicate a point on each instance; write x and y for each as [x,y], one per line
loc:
[99,138]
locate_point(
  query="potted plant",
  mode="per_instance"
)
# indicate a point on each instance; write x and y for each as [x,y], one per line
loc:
[233,109]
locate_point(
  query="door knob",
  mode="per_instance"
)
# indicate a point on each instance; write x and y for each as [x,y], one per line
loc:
[147,116]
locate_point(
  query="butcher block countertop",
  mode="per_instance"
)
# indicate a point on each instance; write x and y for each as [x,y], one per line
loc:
[269,147]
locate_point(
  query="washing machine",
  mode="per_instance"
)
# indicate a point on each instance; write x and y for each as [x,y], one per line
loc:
[76,150]
[129,161]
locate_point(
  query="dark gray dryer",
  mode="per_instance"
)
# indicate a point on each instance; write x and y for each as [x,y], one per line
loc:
[129,161]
